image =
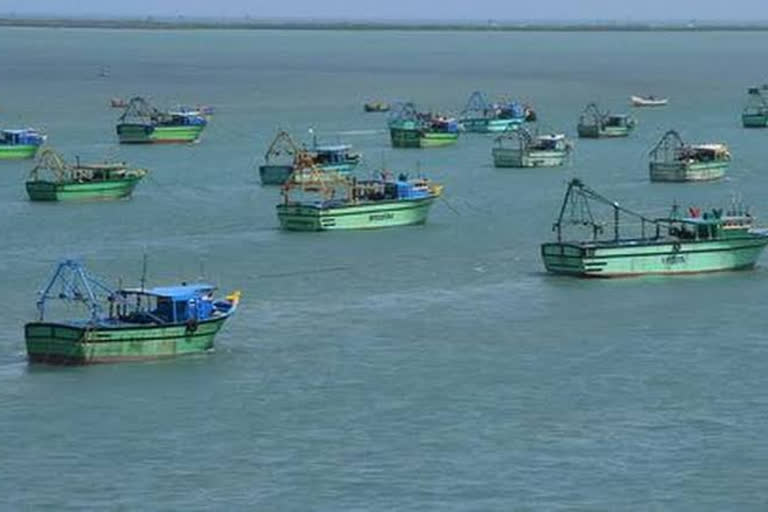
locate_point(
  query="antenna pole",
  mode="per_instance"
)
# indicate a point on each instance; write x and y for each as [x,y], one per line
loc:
[144,271]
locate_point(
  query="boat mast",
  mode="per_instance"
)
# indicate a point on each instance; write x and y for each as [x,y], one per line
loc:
[77,285]
[578,191]
[282,143]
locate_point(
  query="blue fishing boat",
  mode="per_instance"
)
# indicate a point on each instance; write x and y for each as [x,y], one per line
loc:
[126,324]
[283,153]
[19,144]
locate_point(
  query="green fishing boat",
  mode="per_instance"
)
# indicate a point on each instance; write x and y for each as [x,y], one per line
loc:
[755,114]
[481,116]
[20,144]
[53,179]
[141,123]
[520,148]
[125,324]
[330,201]
[594,124]
[674,160]
[697,242]
[409,128]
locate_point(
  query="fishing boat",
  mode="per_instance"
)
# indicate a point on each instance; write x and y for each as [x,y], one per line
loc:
[674,160]
[20,144]
[330,201]
[755,114]
[521,148]
[648,101]
[409,128]
[681,243]
[283,152]
[141,123]
[376,106]
[126,324]
[481,116]
[52,179]
[595,124]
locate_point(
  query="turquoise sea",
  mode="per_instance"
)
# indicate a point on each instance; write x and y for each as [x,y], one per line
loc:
[426,368]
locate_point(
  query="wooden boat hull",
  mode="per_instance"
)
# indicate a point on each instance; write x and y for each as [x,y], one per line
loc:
[18,152]
[754,120]
[134,133]
[437,139]
[595,132]
[681,172]
[73,191]
[417,138]
[405,137]
[70,344]
[274,174]
[648,258]
[484,125]
[506,157]
[302,217]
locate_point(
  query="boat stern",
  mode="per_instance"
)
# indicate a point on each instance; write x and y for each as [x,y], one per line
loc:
[567,259]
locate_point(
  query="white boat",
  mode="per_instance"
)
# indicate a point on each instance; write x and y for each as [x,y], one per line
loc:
[648,101]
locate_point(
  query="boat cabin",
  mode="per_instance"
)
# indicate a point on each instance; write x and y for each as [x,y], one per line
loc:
[21,137]
[513,110]
[402,188]
[443,124]
[334,155]
[555,142]
[167,305]
[710,225]
[703,153]
[183,118]
[618,121]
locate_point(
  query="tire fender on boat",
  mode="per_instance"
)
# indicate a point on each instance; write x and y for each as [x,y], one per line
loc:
[191,325]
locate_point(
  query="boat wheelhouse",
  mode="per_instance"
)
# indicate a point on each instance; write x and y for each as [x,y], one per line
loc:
[521,148]
[53,179]
[20,144]
[701,241]
[335,157]
[595,124]
[141,123]
[125,324]
[755,113]
[674,160]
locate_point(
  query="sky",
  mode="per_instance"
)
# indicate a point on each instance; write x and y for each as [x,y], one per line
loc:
[477,10]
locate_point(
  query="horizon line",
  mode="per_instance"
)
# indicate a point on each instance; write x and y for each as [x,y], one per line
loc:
[250,23]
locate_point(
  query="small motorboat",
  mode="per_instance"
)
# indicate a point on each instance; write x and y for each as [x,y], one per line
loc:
[648,101]
[118,103]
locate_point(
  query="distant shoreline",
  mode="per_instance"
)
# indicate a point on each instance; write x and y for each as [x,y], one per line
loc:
[248,24]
